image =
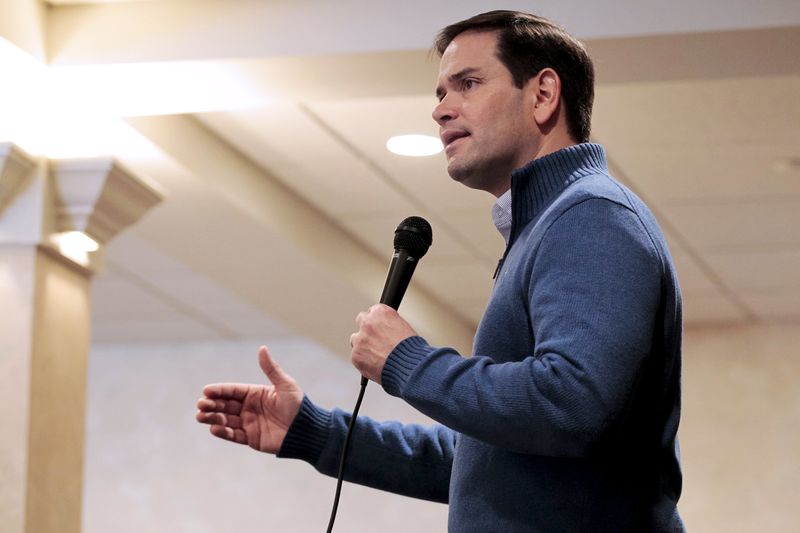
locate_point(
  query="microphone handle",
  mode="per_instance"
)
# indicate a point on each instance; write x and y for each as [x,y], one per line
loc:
[400,270]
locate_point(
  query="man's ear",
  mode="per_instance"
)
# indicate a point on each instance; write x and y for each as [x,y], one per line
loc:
[547,95]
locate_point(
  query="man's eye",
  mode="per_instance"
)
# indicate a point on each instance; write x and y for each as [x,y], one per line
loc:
[467,84]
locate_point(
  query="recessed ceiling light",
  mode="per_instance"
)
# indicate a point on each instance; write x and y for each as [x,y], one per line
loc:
[414,145]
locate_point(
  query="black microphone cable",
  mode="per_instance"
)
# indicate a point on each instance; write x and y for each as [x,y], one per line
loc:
[412,238]
[343,456]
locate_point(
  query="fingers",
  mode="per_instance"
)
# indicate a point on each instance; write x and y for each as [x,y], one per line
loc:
[233,391]
[361,318]
[271,369]
[208,405]
[219,419]
[223,417]
[233,435]
[374,310]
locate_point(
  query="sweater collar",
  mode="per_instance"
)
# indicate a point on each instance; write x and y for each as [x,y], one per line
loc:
[534,185]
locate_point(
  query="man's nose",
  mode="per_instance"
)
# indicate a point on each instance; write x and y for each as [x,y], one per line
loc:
[444,111]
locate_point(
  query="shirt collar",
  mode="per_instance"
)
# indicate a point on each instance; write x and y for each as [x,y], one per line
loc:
[501,215]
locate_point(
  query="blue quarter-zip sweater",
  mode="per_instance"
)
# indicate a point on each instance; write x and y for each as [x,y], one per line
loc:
[565,417]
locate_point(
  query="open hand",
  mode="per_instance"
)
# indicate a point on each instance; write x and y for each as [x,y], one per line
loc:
[256,415]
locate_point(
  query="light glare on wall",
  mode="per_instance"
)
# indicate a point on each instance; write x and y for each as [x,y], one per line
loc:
[414,145]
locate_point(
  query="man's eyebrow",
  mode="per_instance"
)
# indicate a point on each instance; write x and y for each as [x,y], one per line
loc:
[463,73]
[458,76]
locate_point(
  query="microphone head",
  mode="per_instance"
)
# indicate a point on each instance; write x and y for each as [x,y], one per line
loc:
[414,235]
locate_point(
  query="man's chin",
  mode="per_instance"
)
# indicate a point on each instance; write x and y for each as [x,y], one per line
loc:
[469,181]
[471,176]
[458,172]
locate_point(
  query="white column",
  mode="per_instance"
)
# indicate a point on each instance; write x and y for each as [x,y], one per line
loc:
[45,333]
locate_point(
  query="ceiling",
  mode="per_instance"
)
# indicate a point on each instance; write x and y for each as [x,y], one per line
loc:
[267,129]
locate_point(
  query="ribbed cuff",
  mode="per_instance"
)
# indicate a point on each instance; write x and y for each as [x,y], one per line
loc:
[401,363]
[308,433]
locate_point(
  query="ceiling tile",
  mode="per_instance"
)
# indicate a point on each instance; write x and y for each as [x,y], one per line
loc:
[736,224]
[737,112]
[142,285]
[478,229]
[124,312]
[711,308]
[762,270]
[691,275]
[365,125]
[109,288]
[292,147]
[777,305]
[710,171]
[378,232]
[458,282]
[141,329]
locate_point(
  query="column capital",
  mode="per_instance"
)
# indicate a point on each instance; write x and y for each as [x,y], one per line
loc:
[41,200]
[99,196]
[15,169]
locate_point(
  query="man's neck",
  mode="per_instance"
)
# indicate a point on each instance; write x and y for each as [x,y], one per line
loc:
[551,144]
[554,144]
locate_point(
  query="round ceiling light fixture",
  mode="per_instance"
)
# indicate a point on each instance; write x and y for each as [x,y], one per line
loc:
[414,145]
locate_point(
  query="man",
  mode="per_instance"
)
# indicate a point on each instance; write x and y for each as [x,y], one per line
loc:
[565,417]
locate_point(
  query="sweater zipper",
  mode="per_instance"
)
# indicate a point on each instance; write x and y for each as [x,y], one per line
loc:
[499,266]
[505,254]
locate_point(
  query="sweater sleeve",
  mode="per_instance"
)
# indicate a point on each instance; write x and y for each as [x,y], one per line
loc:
[592,290]
[408,459]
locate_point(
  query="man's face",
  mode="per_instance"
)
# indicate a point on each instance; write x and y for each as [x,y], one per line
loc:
[485,122]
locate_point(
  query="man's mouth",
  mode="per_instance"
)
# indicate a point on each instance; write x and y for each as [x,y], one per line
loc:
[450,136]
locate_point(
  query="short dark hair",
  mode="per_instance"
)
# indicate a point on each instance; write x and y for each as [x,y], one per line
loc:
[528,43]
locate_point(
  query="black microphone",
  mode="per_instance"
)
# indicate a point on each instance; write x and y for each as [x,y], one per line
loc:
[412,238]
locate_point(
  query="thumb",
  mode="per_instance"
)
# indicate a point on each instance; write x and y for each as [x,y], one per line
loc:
[271,369]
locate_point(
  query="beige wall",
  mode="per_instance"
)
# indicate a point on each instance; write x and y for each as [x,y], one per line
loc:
[147,460]
[149,463]
[741,429]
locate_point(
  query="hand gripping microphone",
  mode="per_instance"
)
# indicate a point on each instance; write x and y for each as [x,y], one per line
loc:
[412,238]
